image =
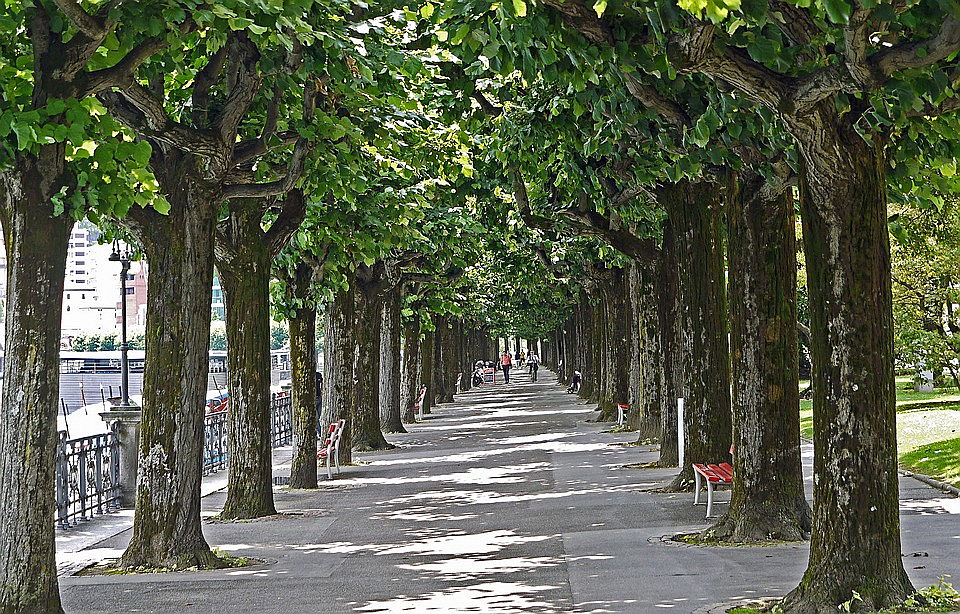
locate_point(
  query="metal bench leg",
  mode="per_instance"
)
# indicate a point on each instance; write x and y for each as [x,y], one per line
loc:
[329,470]
[709,499]
[696,488]
[336,458]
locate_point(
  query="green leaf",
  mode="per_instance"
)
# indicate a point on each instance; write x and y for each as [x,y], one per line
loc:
[600,6]
[520,8]
[426,11]
[837,10]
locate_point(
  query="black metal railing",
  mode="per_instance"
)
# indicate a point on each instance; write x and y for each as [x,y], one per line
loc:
[87,477]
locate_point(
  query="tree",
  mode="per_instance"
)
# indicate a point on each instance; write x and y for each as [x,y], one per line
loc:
[925,292]
[206,138]
[244,256]
[60,159]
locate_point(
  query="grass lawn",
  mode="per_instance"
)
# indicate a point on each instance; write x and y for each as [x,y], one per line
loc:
[940,459]
[928,440]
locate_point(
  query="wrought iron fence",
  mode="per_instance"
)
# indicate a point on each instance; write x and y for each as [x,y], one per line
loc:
[87,477]
[88,468]
[281,419]
[215,438]
[214,442]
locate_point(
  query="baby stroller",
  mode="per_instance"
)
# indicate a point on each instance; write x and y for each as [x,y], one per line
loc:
[478,373]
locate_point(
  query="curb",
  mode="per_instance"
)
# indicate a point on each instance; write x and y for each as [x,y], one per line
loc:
[929,481]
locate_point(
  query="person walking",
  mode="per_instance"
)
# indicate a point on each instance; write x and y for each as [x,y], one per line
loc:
[533,361]
[506,362]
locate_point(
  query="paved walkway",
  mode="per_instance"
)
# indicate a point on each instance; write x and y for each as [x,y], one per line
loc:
[507,501]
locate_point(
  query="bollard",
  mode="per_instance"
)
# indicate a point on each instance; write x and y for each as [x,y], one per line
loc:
[680,441]
[124,422]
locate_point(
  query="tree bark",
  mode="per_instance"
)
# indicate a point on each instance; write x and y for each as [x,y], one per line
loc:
[338,359]
[36,243]
[696,212]
[244,268]
[667,286]
[390,419]
[303,379]
[368,306]
[426,370]
[179,249]
[855,543]
[616,352]
[410,384]
[768,501]
[652,368]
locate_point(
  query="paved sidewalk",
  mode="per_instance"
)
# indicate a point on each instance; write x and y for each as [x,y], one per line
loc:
[506,501]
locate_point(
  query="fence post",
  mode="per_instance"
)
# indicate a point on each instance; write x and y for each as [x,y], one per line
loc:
[61,480]
[125,424]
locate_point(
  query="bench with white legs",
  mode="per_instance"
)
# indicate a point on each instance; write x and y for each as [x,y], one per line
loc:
[711,474]
[331,447]
[418,406]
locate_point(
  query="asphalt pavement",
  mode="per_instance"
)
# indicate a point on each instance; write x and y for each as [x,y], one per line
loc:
[509,500]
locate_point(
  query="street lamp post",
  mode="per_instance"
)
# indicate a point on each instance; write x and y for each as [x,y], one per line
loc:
[124,418]
[124,259]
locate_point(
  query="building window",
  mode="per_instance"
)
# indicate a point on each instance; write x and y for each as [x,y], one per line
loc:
[80,262]
[79,272]
[130,290]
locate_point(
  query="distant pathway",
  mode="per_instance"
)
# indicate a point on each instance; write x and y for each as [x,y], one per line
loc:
[506,501]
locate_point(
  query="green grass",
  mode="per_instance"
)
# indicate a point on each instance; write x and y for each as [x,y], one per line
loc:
[940,460]
[928,439]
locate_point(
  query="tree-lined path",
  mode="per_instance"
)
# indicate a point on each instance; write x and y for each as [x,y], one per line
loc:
[507,500]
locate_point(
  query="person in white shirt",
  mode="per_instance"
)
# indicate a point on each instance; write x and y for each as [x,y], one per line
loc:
[533,361]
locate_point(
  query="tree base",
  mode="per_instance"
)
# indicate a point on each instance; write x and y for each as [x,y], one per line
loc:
[393,428]
[823,593]
[247,511]
[199,558]
[760,527]
[372,446]
[304,483]
[681,483]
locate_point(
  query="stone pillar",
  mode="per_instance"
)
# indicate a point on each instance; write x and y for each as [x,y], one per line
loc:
[124,421]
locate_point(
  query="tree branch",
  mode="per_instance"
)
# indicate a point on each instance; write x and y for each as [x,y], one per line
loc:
[121,73]
[243,83]
[203,83]
[922,53]
[649,97]
[291,215]
[139,109]
[274,188]
[84,21]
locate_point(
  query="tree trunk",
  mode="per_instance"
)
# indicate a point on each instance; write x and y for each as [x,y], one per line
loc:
[855,543]
[667,287]
[36,244]
[410,384]
[368,301]
[390,421]
[426,370]
[303,379]
[179,249]
[338,358]
[244,270]
[768,501]
[616,305]
[443,386]
[696,213]
[652,367]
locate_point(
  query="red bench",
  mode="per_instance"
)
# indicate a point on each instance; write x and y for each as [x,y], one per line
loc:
[331,447]
[712,474]
[418,406]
